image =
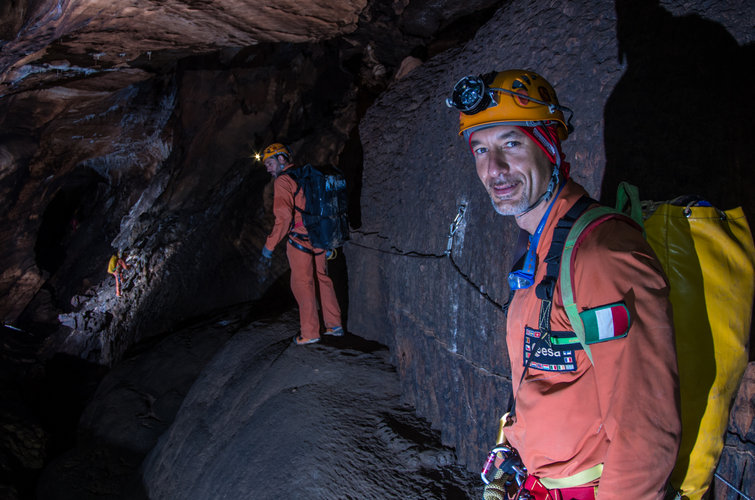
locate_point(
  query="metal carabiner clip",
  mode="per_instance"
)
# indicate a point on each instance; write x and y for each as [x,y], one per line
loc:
[512,465]
[491,460]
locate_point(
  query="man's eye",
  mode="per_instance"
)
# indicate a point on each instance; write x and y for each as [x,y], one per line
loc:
[480,150]
[511,144]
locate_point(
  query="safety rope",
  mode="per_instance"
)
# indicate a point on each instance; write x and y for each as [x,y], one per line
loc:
[727,483]
[453,228]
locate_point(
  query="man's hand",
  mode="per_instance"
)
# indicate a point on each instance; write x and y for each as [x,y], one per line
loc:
[263,263]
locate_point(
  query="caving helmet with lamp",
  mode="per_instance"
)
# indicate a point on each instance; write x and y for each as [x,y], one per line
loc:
[526,100]
[512,97]
[275,149]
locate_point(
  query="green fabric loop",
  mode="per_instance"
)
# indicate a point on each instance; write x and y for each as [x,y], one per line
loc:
[628,202]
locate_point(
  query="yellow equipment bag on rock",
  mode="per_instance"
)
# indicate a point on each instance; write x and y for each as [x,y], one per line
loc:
[709,258]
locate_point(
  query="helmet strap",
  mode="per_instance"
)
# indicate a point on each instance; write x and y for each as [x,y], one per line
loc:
[548,142]
[547,195]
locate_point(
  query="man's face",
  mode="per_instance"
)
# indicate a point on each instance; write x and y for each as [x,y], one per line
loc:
[272,165]
[513,169]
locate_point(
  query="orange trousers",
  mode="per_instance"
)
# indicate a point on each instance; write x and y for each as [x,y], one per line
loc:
[305,268]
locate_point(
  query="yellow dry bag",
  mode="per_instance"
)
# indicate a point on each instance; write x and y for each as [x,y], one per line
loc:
[709,259]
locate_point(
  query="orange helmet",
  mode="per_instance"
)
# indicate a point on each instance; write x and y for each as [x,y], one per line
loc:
[275,149]
[513,97]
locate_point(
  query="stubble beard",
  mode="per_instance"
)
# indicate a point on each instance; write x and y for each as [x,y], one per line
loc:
[507,206]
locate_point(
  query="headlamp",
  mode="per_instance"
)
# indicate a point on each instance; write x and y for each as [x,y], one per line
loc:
[471,95]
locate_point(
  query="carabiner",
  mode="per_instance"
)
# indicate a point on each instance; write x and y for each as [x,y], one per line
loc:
[491,460]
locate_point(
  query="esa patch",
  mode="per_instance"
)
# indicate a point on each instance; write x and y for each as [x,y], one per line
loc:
[548,357]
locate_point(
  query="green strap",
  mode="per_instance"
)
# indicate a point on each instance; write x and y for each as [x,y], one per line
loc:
[628,196]
[567,289]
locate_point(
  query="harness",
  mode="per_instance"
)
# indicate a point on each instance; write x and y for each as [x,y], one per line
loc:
[546,287]
[293,236]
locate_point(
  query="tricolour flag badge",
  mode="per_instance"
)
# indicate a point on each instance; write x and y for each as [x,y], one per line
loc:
[606,322]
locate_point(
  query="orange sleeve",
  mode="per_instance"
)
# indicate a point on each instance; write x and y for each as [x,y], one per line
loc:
[636,376]
[283,209]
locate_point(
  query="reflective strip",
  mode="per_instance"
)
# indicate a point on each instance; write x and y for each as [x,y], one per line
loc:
[564,340]
[577,479]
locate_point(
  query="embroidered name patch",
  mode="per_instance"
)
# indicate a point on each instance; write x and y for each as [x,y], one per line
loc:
[547,357]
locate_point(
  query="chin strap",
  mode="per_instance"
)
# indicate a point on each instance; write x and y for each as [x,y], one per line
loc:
[547,140]
[546,196]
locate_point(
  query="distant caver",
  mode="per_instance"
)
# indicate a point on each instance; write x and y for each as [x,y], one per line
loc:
[307,262]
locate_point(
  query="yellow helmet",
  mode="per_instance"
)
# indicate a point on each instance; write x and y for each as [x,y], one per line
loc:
[512,97]
[275,149]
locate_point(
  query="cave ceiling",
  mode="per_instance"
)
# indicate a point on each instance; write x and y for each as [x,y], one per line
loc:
[99,44]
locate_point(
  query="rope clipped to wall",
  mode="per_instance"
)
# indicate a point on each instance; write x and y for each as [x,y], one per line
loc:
[453,228]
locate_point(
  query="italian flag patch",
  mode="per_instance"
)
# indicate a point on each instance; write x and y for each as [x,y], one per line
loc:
[606,323]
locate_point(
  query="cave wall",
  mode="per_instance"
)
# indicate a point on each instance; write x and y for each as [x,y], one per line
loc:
[441,316]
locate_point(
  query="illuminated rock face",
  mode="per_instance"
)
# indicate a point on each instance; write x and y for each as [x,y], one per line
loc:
[133,127]
[95,37]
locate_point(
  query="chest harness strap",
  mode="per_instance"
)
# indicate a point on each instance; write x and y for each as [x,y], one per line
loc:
[546,287]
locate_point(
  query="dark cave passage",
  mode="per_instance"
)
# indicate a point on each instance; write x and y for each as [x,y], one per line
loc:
[63,217]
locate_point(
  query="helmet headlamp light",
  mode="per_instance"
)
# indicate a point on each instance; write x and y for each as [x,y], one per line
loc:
[471,95]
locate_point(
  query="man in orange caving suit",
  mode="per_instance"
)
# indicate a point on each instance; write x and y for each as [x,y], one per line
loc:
[307,263]
[605,428]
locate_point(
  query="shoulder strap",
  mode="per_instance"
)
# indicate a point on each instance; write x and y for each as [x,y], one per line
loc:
[566,237]
[294,174]
[590,218]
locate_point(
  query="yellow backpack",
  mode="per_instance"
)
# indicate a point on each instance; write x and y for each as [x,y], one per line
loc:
[709,259]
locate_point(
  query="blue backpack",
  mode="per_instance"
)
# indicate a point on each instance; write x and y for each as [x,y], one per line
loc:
[324,215]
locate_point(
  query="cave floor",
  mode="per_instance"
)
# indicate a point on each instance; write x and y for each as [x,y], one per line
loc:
[228,407]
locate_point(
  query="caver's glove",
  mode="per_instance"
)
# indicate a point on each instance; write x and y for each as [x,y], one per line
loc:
[263,263]
[331,254]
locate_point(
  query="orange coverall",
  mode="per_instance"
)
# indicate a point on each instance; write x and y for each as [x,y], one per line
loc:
[304,266]
[622,412]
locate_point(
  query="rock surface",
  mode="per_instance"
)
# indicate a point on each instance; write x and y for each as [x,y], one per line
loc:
[249,415]
[737,465]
